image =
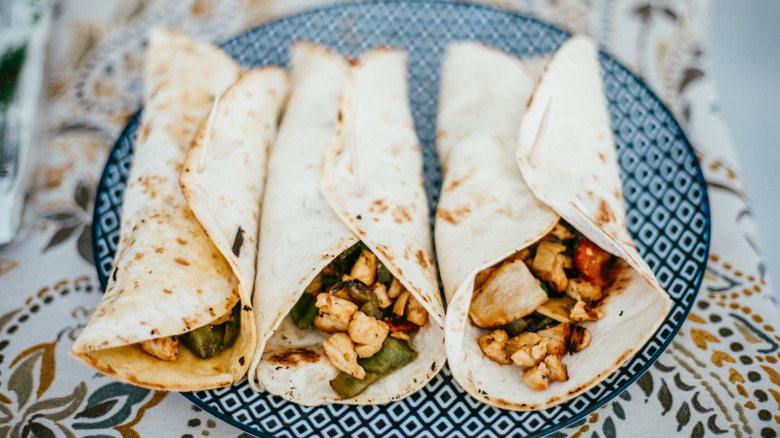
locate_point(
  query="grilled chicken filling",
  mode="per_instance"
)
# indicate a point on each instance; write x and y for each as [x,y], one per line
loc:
[204,342]
[370,314]
[534,327]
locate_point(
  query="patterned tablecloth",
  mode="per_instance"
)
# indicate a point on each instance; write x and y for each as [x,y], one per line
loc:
[720,376]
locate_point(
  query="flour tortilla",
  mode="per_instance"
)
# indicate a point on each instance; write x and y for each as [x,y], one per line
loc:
[169,277]
[486,213]
[311,230]
[223,178]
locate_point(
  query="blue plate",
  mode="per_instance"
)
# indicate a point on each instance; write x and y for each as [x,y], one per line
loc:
[666,199]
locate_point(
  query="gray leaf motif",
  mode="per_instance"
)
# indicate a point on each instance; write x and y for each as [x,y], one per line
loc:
[52,411]
[104,415]
[84,244]
[60,408]
[619,412]
[645,382]
[690,75]
[60,236]
[714,427]
[85,193]
[698,430]
[72,218]
[609,428]
[21,381]
[665,397]
[683,416]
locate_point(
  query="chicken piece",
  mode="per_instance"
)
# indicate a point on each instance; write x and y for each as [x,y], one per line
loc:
[165,348]
[341,351]
[583,311]
[528,349]
[582,290]
[510,293]
[395,289]
[525,256]
[381,293]
[549,266]
[482,276]
[401,335]
[566,261]
[364,268]
[556,369]
[330,324]
[561,232]
[400,304]
[367,350]
[557,338]
[536,377]
[338,307]
[415,312]
[335,313]
[342,293]
[557,308]
[368,333]
[492,344]
[579,339]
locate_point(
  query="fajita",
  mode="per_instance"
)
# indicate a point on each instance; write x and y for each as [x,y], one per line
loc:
[351,310]
[177,312]
[540,309]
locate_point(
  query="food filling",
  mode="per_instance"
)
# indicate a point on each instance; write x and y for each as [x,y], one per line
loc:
[204,342]
[534,327]
[369,314]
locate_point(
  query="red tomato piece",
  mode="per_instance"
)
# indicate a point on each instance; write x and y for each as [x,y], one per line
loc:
[591,262]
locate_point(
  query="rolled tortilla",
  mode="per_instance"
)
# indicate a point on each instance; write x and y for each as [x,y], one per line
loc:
[309,231]
[169,277]
[487,213]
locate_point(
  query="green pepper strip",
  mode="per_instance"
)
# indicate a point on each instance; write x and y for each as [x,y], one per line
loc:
[304,311]
[209,340]
[382,273]
[515,327]
[395,354]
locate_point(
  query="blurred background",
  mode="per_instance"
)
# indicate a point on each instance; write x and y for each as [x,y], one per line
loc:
[745,58]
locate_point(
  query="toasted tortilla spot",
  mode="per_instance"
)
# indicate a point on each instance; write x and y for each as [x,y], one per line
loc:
[159,250]
[384,250]
[421,258]
[139,255]
[604,214]
[601,155]
[401,214]
[530,99]
[246,308]
[446,216]
[294,357]
[167,291]
[181,261]
[378,206]
[452,185]
[181,241]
